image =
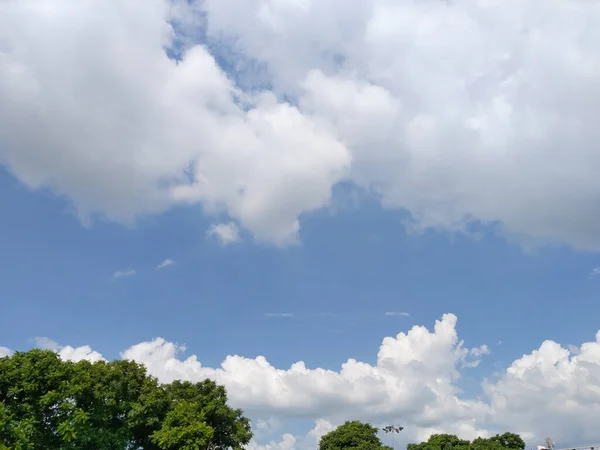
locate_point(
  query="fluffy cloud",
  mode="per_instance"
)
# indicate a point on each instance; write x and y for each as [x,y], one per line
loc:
[414,382]
[456,112]
[225,233]
[69,353]
[395,386]
[551,390]
[91,106]
[562,386]
[4,351]
[288,442]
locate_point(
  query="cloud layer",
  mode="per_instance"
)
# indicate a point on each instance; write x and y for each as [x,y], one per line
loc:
[551,390]
[454,111]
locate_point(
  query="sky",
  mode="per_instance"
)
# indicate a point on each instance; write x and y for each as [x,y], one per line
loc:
[375,210]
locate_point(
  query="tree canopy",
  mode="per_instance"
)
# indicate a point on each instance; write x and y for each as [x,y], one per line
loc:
[48,403]
[506,441]
[353,435]
[363,436]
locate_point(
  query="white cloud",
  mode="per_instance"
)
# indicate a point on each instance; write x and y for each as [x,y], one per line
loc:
[414,382]
[125,131]
[68,353]
[4,351]
[288,442]
[398,384]
[440,106]
[309,441]
[166,263]
[397,314]
[127,273]
[261,426]
[226,233]
[475,111]
[45,343]
[79,353]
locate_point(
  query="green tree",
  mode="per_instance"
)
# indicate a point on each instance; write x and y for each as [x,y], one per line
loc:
[353,435]
[506,441]
[509,440]
[441,442]
[49,403]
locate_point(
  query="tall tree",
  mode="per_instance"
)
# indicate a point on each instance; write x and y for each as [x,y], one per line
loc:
[49,403]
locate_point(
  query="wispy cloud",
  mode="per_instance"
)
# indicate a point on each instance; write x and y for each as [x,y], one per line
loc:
[124,273]
[288,315]
[328,314]
[595,273]
[166,263]
[397,314]
[226,233]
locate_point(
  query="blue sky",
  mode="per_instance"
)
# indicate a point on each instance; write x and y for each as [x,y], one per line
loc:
[353,265]
[404,194]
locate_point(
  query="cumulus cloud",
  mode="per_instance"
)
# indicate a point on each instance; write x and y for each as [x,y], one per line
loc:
[4,351]
[396,385]
[67,352]
[125,131]
[127,273]
[455,112]
[448,109]
[566,391]
[414,382]
[225,233]
[288,442]
[166,263]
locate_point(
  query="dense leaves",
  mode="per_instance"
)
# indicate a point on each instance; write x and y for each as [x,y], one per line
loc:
[49,403]
[352,435]
[363,436]
[506,441]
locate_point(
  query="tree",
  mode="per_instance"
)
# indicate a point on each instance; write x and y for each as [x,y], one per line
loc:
[441,442]
[49,403]
[353,435]
[506,441]
[509,440]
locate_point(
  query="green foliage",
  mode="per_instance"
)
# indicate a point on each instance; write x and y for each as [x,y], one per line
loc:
[353,435]
[506,441]
[441,442]
[49,403]
[509,440]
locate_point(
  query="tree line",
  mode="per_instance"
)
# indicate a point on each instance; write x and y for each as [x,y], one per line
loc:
[363,436]
[47,403]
